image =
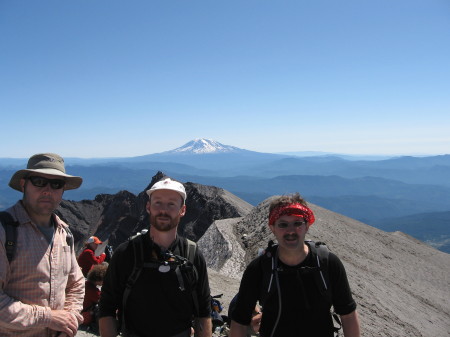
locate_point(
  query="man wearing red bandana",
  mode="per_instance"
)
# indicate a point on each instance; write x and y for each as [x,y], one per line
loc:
[292,303]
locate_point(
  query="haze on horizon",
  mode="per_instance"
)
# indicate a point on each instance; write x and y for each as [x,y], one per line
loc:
[104,78]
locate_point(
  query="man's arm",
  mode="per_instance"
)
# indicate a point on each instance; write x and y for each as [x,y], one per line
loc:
[203,327]
[237,330]
[108,326]
[350,324]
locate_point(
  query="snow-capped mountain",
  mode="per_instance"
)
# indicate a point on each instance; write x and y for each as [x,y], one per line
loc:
[203,146]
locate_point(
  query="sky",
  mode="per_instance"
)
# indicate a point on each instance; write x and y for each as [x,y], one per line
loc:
[110,78]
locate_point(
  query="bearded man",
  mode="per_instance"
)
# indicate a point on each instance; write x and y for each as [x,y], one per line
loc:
[153,283]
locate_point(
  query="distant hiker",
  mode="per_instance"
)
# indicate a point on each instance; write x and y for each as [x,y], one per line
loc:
[158,281]
[42,287]
[87,258]
[296,282]
[92,292]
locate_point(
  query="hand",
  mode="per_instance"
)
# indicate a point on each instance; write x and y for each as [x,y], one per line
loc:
[63,321]
[256,321]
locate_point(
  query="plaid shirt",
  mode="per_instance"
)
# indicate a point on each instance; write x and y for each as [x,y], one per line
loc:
[41,277]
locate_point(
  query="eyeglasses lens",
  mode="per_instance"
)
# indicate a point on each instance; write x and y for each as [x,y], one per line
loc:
[284,225]
[55,184]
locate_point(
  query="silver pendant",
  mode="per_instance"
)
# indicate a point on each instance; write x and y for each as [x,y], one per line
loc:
[164,268]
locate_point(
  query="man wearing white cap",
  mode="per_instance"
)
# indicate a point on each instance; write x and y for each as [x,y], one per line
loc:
[42,287]
[157,282]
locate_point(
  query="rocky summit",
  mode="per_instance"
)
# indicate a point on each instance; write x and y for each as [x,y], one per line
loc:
[401,285]
[119,216]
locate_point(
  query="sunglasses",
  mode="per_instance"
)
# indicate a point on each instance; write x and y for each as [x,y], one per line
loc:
[55,184]
[284,225]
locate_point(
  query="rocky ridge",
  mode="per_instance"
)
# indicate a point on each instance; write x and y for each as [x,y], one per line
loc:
[119,216]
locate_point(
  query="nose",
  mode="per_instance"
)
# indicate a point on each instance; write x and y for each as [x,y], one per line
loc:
[291,229]
[46,189]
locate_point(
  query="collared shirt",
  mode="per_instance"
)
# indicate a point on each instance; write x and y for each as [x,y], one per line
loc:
[40,278]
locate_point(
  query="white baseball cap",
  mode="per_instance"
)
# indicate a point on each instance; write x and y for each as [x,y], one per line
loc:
[168,184]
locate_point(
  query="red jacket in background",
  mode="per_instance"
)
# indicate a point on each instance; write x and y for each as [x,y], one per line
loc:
[91,297]
[87,259]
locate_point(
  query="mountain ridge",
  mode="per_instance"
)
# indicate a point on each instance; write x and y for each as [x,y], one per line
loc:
[369,191]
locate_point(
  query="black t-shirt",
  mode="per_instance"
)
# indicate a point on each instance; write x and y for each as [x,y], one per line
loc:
[156,307]
[304,311]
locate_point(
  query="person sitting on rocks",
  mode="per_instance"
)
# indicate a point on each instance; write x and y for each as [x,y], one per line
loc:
[92,293]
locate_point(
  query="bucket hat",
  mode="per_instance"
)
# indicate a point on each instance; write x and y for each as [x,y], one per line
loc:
[45,163]
[168,184]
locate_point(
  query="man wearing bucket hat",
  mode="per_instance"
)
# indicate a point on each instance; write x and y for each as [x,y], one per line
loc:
[296,282]
[170,289]
[87,258]
[42,287]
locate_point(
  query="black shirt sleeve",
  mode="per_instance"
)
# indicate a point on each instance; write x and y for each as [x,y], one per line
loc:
[343,301]
[119,268]
[248,293]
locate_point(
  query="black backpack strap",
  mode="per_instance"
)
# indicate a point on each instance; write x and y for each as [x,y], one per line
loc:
[320,252]
[138,253]
[322,278]
[190,256]
[69,237]
[191,249]
[10,227]
[269,265]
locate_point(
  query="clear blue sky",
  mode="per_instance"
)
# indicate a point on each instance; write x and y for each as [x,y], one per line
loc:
[106,78]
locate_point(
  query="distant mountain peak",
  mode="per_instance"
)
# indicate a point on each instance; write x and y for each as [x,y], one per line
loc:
[203,145]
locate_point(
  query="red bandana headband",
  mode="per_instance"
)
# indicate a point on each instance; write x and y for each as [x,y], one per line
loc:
[292,209]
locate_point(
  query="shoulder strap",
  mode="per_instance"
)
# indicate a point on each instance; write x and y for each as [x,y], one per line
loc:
[320,253]
[69,237]
[269,266]
[138,253]
[10,227]
[322,279]
[190,256]
[191,249]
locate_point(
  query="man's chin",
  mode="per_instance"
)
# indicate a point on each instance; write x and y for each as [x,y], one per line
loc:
[164,227]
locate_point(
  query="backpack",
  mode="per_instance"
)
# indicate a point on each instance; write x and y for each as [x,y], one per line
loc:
[321,278]
[178,264]
[10,227]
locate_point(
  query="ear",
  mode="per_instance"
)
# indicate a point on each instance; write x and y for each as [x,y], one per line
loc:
[272,228]
[183,210]
[22,184]
[147,207]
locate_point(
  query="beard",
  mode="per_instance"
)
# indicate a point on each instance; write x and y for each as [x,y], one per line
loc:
[163,222]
